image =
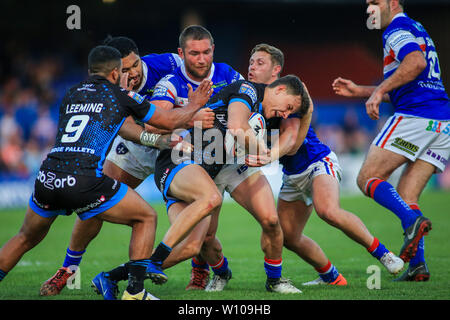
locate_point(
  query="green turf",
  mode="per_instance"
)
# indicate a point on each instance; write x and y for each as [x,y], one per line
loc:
[240,237]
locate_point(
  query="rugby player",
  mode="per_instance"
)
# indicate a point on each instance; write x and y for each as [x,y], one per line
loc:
[416,135]
[236,179]
[196,48]
[139,75]
[311,176]
[191,180]
[91,114]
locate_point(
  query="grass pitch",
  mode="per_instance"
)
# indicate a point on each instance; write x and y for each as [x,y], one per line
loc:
[240,237]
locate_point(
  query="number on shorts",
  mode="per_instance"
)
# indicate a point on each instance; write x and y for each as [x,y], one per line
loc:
[74,128]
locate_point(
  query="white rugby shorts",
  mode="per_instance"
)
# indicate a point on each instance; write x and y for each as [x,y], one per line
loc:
[416,138]
[139,161]
[299,186]
[231,175]
[136,159]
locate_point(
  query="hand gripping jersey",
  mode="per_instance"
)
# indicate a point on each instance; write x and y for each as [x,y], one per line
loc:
[173,87]
[154,68]
[312,150]
[425,96]
[90,116]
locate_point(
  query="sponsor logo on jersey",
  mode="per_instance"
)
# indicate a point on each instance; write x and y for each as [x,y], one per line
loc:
[248,90]
[404,145]
[121,148]
[136,96]
[160,91]
[436,156]
[50,181]
[163,179]
[90,206]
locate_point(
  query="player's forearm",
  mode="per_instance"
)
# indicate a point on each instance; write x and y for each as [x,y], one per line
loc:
[153,129]
[130,130]
[408,70]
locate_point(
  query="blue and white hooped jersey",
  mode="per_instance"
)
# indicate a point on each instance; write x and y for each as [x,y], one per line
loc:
[173,87]
[425,96]
[312,150]
[154,68]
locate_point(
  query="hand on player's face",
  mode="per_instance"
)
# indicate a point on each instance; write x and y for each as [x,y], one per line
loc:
[132,65]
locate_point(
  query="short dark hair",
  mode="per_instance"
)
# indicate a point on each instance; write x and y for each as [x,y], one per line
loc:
[276,55]
[194,32]
[125,45]
[103,59]
[402,3]
[295,87]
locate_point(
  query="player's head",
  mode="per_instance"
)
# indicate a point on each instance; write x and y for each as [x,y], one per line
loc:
[266,63]
[131,61]
[388,9]
[105,61]
[285,96]
[196,48]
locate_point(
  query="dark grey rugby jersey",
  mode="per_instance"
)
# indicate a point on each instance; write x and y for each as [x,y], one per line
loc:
[249,93]
[90,116]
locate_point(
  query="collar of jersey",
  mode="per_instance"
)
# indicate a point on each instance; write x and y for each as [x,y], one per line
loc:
[398,15]
[144,75]
[183,71]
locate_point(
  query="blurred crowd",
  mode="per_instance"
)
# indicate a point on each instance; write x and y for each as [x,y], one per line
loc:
[31,90]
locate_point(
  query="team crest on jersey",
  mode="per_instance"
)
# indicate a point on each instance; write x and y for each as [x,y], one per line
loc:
[136,96]
[248,90]
[121,148]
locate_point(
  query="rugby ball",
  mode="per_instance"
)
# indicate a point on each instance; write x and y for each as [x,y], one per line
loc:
[257,124]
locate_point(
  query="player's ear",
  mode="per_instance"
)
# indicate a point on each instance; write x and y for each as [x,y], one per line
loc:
[180,53]
[276,70]
[280,88]
[115,75]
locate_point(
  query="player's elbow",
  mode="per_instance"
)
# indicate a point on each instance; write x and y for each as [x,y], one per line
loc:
[421,64]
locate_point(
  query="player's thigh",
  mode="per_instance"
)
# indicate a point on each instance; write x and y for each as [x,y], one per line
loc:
[191,183]
[255,195]
[34,226]
[293,216]
[414,179]
[325,190]
[379,163]
[115,172]
[131,208]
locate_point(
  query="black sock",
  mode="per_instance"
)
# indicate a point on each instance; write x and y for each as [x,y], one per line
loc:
[161,253]
[118,274]
[136,275]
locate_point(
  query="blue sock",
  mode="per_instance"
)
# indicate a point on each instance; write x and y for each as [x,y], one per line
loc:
[329,273]
[273,268]
[420,255]
[386,195]
[2,274]
[73,258]
[377,249]
[221,267]
[197,264]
